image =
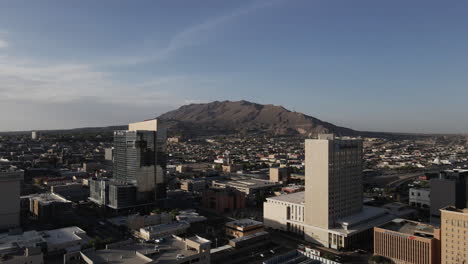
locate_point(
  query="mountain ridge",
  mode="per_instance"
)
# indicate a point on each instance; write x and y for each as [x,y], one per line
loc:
[245,116]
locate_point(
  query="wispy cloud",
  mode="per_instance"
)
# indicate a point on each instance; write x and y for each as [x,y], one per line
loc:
[3,44]
[195,34]
[36,84]
[62,83]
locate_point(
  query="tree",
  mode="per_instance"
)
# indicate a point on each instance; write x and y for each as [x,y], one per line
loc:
[174,212]
[156,211]
[329,256]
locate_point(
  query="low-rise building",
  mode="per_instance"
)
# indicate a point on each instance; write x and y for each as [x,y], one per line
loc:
[420,197]
[173,250]
[74,192]
[223,200]
[65,239]
[247,185]
[231,168]
[193,185]
[287,213]
[279,175]
[164,230]
[243,227]
[47,206]
[405,241]
[292,188]
[29,247]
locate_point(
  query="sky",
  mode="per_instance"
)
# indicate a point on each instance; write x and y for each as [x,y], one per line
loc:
[396,66]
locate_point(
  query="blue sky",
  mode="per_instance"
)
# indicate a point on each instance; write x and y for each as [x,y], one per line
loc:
[370,65]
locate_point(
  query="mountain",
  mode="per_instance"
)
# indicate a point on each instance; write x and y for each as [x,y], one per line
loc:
[242,116]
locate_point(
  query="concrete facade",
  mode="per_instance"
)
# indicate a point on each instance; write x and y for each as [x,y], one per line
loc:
[10,184]
[449,189]
[279,175]
[420,197]
[329,212]
[243,227]
[333,180]
[454,235]
[405,241]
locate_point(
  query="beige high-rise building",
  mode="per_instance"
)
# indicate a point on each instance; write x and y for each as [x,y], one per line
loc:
[329,212]
[454,235]
[279,174]
[333,178]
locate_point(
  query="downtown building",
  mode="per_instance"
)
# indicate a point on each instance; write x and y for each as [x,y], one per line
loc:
[139,168]
[330,211]
[10,188]
[449,189]
[454,235]
[405,241]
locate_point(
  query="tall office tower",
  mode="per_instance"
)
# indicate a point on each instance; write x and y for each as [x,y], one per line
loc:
[333,180]
[140,160]
[450,188]
[10,179]
[454,235]
[34,135]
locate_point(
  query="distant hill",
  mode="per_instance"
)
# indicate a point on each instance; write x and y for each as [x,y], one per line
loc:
[242,116]
[227,117]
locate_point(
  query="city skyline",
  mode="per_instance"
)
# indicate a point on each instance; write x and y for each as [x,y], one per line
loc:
[368,65]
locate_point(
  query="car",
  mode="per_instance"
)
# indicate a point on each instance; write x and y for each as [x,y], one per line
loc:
[159,240]
[360,251]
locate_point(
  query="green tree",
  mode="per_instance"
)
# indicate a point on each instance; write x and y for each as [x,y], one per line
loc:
[328,255]
[174,212]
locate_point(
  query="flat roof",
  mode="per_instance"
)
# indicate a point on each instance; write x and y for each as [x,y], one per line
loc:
[125,253]
[46,198]
[64,235]
[246,182]
[409,227]
[26,239]
[296,198]
[244,222]
[119,255]
[455,210]
[161,227]
[368,212]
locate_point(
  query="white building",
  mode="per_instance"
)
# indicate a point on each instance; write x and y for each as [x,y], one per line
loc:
[330,211]
[420,197]
[27,247]
[68,238]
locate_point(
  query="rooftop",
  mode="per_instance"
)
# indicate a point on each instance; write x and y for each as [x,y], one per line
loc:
[296,198]
[138,253]
[47,198]
[9,243]
[409,227]
[246,182]
[367,213]
[64,235]
[244,222]
[159,228]
[454,209]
